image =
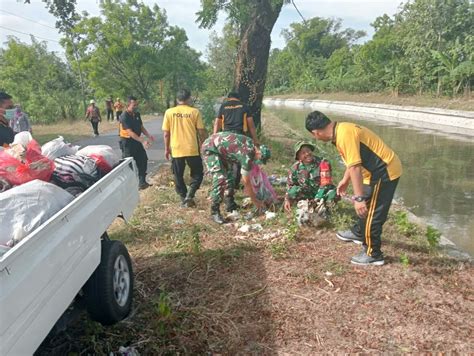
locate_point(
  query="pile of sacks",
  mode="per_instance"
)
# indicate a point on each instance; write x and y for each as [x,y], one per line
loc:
[38,181]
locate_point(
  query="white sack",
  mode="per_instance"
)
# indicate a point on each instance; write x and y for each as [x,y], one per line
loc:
[25,207]
[58,148]
[105,152]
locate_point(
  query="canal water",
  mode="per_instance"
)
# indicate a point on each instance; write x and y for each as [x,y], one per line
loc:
[438,172]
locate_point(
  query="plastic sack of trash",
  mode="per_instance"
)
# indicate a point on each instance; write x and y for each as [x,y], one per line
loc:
[75,173]
[58,148]
[261,185]
[104,156]
[19,165]
[24,208]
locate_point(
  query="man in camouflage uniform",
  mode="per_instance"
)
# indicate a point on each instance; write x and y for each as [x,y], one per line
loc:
[303,176]
[221,151]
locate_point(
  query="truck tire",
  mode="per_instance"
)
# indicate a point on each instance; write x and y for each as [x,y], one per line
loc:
[108,292]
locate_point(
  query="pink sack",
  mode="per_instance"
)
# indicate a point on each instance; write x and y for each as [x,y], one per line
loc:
[261,185]
[34,166]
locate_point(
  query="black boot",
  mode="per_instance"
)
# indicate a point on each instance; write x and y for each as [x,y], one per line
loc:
[230,204]
[143,184]
[216,214]
[189,199]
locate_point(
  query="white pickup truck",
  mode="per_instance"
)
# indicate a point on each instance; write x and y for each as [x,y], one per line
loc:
[69,254]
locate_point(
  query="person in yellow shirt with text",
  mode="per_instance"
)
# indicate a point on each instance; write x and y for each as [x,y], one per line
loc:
[374,169]
[184,132]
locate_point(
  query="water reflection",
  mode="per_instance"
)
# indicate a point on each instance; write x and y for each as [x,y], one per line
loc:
[438,179]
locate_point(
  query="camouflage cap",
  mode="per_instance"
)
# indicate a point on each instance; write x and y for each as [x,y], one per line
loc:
[299,144]
[265,154]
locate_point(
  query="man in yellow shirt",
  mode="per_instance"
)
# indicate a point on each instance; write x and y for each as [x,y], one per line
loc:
[183,131]
[373,168]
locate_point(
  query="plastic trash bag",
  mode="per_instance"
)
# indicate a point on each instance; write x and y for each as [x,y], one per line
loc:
[75,171]
[29,165]
[26,207]
[22,138]
[261,185]
[58,148]
[104,155]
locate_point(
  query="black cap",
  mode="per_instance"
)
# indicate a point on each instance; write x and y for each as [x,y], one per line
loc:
[316,121]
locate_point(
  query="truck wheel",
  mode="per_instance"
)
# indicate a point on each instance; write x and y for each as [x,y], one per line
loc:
[108,292]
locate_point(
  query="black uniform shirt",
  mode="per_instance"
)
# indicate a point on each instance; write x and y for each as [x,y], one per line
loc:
[234,114]
[134,123]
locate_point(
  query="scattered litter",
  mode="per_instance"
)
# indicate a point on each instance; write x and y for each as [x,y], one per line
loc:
[246,202]
[244,228]
[271,235]
[306,214]
[254,227]
[328,273]
[128,351]
[275,180]
[233,216]
[179,222]
[329,282]
[270,215]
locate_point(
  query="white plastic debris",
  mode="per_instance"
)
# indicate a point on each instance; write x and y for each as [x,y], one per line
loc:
[270,215]
[244,228]
[233,216]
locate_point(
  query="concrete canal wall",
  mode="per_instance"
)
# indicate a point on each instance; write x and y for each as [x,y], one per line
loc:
[451,121]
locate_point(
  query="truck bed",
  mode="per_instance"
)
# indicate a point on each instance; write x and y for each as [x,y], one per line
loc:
[42,274]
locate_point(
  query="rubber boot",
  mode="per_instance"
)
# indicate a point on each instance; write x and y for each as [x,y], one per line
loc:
[189,200]
[216,214]
[143,184]
[230,204]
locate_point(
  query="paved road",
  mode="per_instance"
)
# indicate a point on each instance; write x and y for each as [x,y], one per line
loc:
[156,154]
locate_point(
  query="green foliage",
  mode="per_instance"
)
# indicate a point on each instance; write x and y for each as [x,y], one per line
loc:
[163,312]
[404,260]
[40,81]
[427,46]
[291,232]
[404,226]
[131,49]
[432,236]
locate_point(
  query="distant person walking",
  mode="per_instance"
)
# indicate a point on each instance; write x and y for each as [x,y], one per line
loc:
[20,121]
[183,131]
[234,116]
[118,106]
[93,114]
[7,113]
[374,169]
[132,143]
[109,108]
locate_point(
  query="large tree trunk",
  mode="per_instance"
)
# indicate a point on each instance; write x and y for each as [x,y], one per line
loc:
[252,58]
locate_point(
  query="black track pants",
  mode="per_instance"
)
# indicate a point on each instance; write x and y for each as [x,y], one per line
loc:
[378,204]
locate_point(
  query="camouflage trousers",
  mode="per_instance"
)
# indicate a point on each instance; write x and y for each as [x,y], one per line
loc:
[223,180]
[298,193]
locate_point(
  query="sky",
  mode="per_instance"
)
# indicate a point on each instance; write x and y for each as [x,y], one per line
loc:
[357,14]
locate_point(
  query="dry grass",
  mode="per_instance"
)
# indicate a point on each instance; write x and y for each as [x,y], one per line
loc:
[208,289]
[460,103]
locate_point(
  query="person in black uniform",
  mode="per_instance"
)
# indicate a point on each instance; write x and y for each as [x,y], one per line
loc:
[374,169]
[234,116]
[132,143]
[6,114]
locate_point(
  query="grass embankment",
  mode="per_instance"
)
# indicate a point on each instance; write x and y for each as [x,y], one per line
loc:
[459,103]
[201,288]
